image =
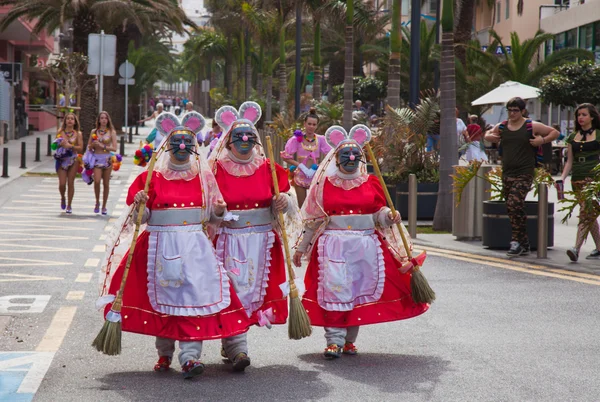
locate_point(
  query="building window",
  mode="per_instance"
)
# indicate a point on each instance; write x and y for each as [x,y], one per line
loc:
[405,7]
[585,37]
[596,43]
[507,9]
[498,11]
[433,6]
[548,48]
[559,41]
[571,38]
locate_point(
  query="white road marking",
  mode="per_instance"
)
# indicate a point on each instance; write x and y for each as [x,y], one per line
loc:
[58,329]
[99,248]
[83,278]
[26,278]
[92,262]
[75,295]
[23,304]
[102,237]
[26,262]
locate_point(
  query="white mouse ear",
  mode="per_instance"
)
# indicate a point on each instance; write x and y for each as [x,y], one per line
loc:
[194,121]
[334,135]
[225,117]
[165,122]
[250,111]
[361,134]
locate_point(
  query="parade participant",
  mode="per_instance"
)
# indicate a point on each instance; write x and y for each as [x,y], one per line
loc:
[583,156]
[68,143]
[308,148]
[212,137]
[520,140]
[154,136]
[102,141]
[248,245]
[355,254]
[176,288]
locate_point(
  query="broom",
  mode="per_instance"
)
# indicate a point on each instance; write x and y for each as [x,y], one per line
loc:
[108,340]
[421,291]
[299,324]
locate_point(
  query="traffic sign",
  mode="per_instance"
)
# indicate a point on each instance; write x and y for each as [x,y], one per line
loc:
[130,81]
[104,55]
[126,70]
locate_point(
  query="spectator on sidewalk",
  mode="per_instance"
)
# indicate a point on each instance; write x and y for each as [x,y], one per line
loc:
[461,133]
[583,156]
[475,149]
[520,139]
[433,136]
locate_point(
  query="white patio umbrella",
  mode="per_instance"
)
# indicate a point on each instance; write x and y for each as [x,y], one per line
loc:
[505,92]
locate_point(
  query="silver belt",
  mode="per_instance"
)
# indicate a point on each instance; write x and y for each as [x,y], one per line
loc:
[351,222]
[187,216]
[250,217]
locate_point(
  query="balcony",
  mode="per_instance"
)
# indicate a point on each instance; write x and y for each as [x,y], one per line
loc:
[569,15]
[20,35]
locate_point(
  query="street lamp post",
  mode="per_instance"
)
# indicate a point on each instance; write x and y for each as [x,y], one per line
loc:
[415,47]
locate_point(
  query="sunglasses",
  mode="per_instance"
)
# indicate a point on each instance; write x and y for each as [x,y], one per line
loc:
[512,110]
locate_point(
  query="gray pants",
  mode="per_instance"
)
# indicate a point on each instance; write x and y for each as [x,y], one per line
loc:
[193,350]
[235,345]
[340,336]
[189,350]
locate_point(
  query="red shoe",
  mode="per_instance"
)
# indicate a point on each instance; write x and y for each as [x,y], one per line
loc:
[332,351]
[192,368]
[163,364]
[349,349]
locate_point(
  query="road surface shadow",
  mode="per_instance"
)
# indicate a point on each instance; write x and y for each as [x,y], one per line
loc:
[218,383]
[391,373]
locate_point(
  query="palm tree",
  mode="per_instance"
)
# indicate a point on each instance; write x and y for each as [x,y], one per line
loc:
[88,16]
[349,65]
[464,27]
[393,95]
[442,219]
[315,8]
[520,65]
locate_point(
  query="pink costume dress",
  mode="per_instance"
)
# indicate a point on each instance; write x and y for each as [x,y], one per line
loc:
[305,154]
[102,160]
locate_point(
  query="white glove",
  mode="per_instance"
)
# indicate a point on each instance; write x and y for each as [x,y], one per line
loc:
[307,172]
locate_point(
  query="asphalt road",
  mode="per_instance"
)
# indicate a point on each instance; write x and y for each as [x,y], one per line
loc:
[499,331]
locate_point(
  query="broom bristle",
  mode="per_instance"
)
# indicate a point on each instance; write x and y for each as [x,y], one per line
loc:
[98,343]
[112,344]
[421,291]
[299,325]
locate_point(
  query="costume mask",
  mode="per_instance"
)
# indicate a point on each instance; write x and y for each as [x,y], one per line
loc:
[349,158]
[243,139]
[181,145]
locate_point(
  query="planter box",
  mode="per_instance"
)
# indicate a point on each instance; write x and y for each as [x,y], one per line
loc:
[427,194]
[497,230]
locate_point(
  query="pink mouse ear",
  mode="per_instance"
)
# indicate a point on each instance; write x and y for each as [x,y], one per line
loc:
[360,133]
[335,134]
[225,116]
[251,111]
[166,122]
[194,121]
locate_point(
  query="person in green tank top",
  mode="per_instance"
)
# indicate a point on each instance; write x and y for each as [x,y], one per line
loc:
[520,140]
[583,155]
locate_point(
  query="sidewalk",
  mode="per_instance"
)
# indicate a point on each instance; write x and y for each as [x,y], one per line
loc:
[564,238]
[46,164]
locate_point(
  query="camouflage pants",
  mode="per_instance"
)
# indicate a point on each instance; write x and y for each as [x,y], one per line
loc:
[584,228]
[515,191]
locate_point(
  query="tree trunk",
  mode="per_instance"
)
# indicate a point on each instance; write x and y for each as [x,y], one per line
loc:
[248,77]
[464,28]
[282,88]
[317,83]
[269,101]
[393,89]
[228,68]
[348,75]
[442,220]
[259,84]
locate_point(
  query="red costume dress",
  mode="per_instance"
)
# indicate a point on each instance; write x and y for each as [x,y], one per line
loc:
[172,294]
[337,294]
[249,248]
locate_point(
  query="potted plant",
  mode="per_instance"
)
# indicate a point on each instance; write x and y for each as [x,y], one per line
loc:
[401,148]
[496,224]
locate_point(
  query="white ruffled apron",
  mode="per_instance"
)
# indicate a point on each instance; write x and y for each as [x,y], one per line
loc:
[244,248]
[351,264]
[185,277]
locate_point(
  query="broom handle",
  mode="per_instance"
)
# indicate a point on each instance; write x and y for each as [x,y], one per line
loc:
[119,299]
[387,197]
[280,217]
